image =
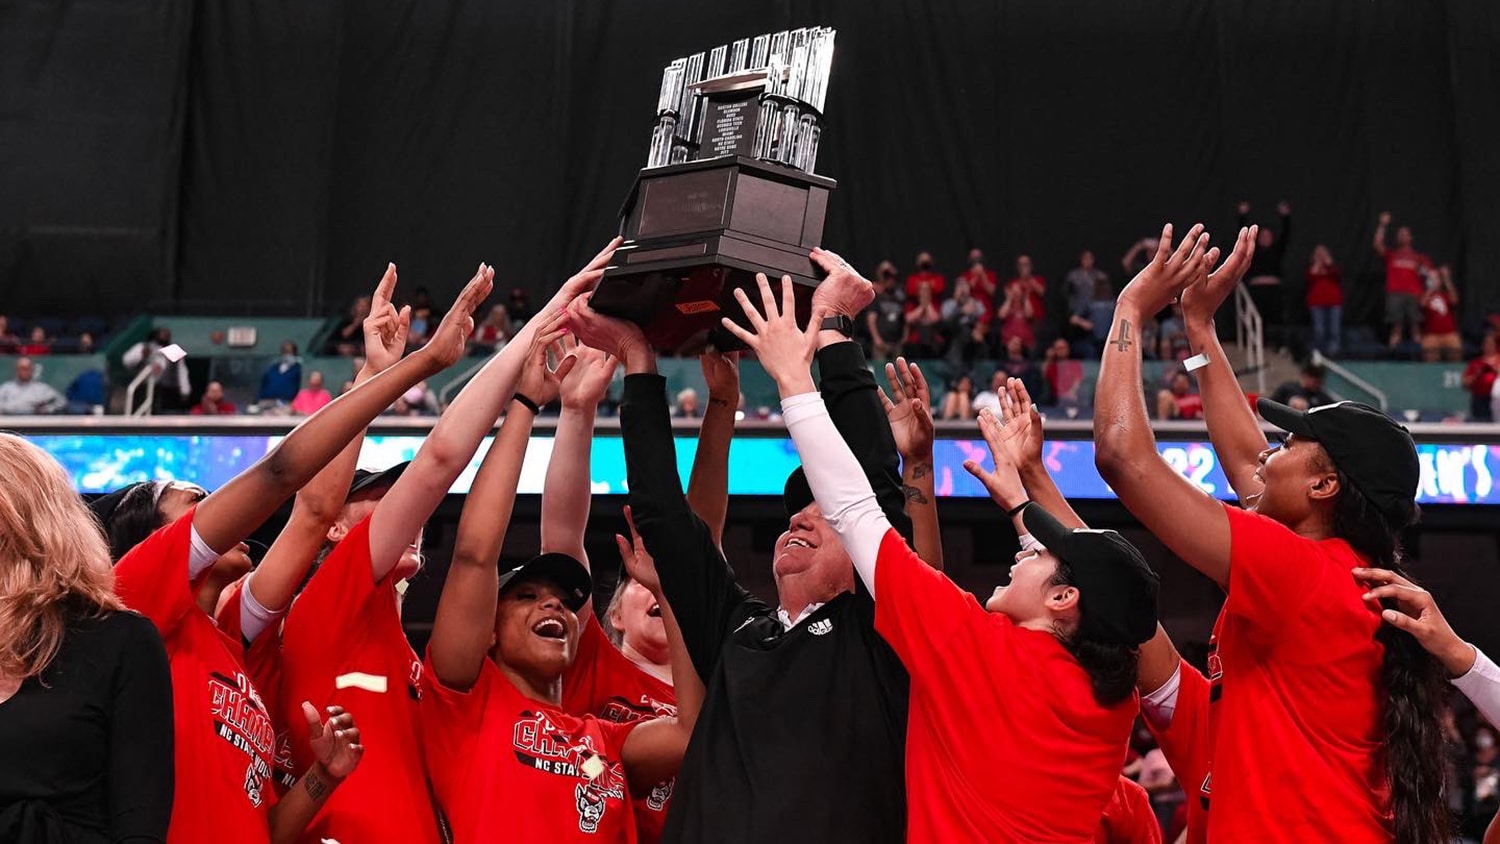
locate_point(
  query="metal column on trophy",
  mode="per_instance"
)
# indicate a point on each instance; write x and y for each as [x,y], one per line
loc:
[728,190]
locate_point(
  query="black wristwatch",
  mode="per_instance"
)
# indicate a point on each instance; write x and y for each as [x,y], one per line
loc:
[840,323]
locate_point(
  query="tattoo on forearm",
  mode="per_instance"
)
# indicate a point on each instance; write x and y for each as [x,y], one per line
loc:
[718,402]
[920,470]
[914,495]
[317,788]
[1122,341]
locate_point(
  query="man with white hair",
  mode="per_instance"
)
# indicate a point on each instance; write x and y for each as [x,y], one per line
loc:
[26,396]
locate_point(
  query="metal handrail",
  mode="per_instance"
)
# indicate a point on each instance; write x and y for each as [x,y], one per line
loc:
[1343,372]
[1249,335]
[461,379]
[147,374]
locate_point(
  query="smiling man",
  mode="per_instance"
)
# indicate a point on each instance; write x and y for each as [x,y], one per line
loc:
[802,733]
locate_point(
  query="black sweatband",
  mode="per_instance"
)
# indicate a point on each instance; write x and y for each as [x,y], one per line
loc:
[1011,513]
[527,403]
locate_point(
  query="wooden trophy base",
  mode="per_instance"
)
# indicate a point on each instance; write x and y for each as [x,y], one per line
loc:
[696,231]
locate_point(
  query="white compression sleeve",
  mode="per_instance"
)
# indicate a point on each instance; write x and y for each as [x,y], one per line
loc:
[838,482]
[200,557]
[1481,685]
[254,618]
[1160,705]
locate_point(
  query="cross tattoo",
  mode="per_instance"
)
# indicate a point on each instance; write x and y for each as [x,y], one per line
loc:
[1123,341]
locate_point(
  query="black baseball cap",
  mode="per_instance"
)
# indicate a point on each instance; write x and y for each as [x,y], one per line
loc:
[365,479]
[1373,451]
[104,506]
[560,569]
[796,495]
[1117,588]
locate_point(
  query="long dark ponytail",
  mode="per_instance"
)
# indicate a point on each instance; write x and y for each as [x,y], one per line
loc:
[1415,684]
[1111,666]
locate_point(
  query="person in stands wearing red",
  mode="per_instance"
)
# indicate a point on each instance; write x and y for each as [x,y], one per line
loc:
[1323,725]
[1021,711]
[342,641]
[179,548]
[984,284]
[1482,379]
[926,276]
[1033,286]
[1325,300]
[508,762]
[1403,281]
[1440,340]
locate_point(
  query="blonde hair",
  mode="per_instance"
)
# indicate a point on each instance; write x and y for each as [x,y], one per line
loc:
[54,562]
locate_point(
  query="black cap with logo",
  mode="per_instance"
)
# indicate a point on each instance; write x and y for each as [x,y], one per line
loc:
[1117,601]
[1375,453]
[561,569]
[796,495]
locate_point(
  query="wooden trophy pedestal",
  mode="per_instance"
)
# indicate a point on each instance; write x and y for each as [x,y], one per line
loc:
[696,231]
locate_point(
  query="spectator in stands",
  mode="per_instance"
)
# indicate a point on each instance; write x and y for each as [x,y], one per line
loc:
[1035,288]
[283,377]
[88,392]
[492,334]
[1440,340]
[984,284]
[1016,364]
[1172,339]
[1263,279]
[38,344]
[1063,374]
[990,399]
[26,396]
[924,325]
[1325,300]
[1016,318]
[1101,317]
[348,338]
[1179,400]
[422,324]
[1139,255]
[925,276]
[172,384]
[313,397]
[85,343]
[213,402]
[8,341]
[422,400]
[959,403]
[885,319]
[1081,283]
[1403,281]
[1306,392]
[967,322]
[1482,379]
[519,308]
[687,405]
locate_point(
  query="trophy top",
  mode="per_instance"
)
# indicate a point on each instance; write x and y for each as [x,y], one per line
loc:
[744,81]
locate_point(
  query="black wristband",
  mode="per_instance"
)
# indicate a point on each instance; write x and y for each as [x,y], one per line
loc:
[527,403]
[840,323]
[1011,513]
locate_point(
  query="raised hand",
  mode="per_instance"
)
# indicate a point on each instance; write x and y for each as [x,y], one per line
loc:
[1417,613]
[607,334]
[844,291]
[585,386]
[385,328]
[1202,297]
[584,280]
[1384,219]
[721,371]
[638,562]
[1022,424]
[784,350]
[335,744]
[452,336]
[1004,481]
[541,380]
[908,408]
[1162,281]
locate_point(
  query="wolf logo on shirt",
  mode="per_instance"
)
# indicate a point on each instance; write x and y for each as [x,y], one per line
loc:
[590,807]
[660,794]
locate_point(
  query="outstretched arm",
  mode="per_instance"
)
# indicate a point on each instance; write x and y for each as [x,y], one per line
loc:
[708,486]
[1385,220]
[1236,435]
[465,624]
[1190,522]
[229,515]
[909,411]
[456,436]
[338,751]
[568,492]
[318,504]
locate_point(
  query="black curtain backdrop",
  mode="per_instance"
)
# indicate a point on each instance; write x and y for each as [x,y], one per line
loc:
[206,156]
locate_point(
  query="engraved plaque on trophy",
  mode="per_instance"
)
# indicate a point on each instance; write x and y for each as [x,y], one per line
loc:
[728,190]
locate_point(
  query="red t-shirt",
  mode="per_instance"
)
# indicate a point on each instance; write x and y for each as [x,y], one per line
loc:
[1325,289]
[1403,270]
[222,731]
[1482,376]
[342,625]
[983,286]
[604,683]
[1437,314]
[1295,718]
[1186,745]
[509,768]
[1128,817]
[1034,293]
[915,280]
[1004,739]
[1189,406]
[263,664]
